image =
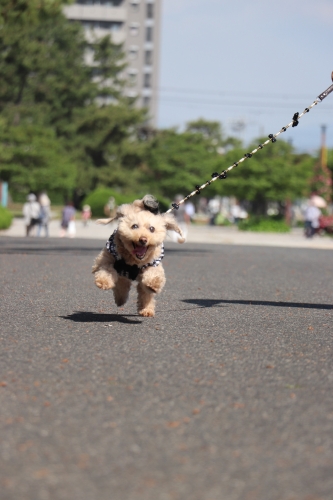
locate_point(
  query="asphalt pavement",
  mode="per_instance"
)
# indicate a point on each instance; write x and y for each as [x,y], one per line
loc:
[225,395]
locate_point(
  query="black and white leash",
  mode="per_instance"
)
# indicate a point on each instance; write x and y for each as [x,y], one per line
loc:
[271,138]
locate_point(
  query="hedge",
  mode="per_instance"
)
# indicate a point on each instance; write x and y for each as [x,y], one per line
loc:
[5,218]
[264,224]
[98,199]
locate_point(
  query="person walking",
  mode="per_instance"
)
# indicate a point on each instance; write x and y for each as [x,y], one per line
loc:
[311,219]
[68,220]
[190,211]
[45,210]
[86,214]
[31,213]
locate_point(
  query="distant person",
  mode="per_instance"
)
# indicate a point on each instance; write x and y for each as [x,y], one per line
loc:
[311,219]
[86,214]
[235,212]
[45,211]
[68,221]
[213,209]
[243,214]
[190,211]
[31,213]
[110,207]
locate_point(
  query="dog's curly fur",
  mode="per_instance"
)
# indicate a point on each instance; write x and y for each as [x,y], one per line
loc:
[138,240]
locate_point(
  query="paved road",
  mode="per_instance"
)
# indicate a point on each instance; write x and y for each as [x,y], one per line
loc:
[225,395]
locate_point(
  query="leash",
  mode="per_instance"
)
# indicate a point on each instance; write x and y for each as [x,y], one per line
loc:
[271,138]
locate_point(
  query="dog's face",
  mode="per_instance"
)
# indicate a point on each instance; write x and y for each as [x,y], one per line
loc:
[141,232]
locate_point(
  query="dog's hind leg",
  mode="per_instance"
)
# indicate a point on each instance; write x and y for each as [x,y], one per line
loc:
[146,301]
[121,291]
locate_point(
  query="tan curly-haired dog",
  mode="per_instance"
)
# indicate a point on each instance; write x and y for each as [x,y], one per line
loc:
[134,253]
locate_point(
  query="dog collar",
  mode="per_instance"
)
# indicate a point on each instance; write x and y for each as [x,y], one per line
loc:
[123,269]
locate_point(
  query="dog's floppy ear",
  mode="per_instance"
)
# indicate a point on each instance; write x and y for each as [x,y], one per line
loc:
[171,225]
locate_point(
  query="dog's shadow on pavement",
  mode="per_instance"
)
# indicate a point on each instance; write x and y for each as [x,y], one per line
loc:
[219,303]
[93,317]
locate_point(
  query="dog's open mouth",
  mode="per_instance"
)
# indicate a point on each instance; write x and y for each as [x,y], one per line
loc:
[139,251]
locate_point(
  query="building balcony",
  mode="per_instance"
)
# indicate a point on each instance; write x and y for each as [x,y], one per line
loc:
[117,37]
[95,13]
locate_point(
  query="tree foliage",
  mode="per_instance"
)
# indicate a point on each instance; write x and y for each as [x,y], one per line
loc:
[177,162]
[66,126]
[61,127]
[275,173]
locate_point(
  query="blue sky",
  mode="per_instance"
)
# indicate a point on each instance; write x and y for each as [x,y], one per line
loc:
[248,62]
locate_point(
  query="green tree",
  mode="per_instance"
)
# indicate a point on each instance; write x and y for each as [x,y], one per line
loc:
[51,100]
[275,173]
[42,62]
[213,132]
[177,162]
[33,159]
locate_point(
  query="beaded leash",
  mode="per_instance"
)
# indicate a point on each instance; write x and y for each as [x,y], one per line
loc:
[271,138]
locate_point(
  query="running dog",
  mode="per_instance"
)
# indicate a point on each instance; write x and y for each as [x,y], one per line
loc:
[134,253]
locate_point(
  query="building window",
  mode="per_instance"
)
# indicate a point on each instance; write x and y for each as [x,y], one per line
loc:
[148,58]
[133,52]
[149,34]
[146,102]
[107,3]
[150,10]
[147,80]
[132,76]
[103,25]
[134,29]
[135,4]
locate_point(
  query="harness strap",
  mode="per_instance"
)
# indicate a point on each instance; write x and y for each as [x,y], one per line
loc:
[123,269]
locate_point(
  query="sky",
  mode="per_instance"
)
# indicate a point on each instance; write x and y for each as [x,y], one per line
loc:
[249,64]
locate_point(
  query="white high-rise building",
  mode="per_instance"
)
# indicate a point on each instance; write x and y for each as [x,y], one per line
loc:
[135,24]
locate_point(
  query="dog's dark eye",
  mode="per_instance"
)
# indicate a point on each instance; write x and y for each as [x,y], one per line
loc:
[151,229]
[135,226]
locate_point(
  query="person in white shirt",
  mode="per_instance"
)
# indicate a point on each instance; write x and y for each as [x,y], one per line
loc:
[311,219]
[31,213]
[45,210]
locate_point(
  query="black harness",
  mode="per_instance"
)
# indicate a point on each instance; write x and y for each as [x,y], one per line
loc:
[123,269]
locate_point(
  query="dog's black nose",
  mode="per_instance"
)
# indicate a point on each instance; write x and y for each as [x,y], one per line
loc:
[143,241]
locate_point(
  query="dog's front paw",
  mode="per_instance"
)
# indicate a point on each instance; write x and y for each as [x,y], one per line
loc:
[104,280]
[147,313]
[154,284]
